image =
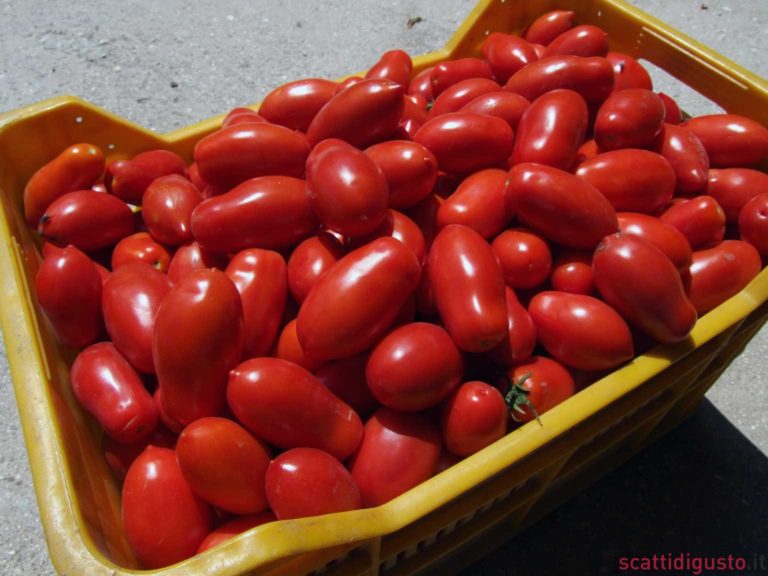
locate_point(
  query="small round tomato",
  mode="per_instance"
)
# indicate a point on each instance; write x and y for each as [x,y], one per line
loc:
[730,139]
[399,451]
[141,247]
[581,331]
[472,417]
[233,528]
[414,367]
[520,340]
[166,208]
[701,220]
[753,223]
[295,104]
[549,26]
[537,385]
[631,118]
[524,256]
[572,272]
[224,464]
[585,40]
[165,522]
[304,482]
[478,202]
[506,54]
[664,236]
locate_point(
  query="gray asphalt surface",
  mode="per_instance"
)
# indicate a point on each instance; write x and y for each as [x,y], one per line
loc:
[169,64]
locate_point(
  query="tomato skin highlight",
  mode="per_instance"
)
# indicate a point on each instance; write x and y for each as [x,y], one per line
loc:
[585,40]
[644,286]
[165,522]
[399,450]
[506,54]
[284,404]
[701,220]
[581,331]
[468,286]
[304,482]
[472,417]
[549,26]
[369,286]
[224,464]
[198,339]
[108,387]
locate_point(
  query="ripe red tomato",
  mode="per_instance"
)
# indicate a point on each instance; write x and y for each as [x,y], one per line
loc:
[545,384]
[399,450]
[287,406]
[356,301]
[524,256]
[701,220]
[270,212]
[242,115]
[198,339]
[630,118]
[129,179]
[363,114]
[674,115]
[520,340]
[289,348]
[295,104]
[581,331]
[165,522]
[753,223]
[234,528]
[540,195]
[464,143]
[478,202]
[572,271]
[472,417]
[446,74]
[552,129]
[409,168]
[347,190]
[394,65]
[585,40]
[86,219]
[687,156]
[141,247]
[734,187]
[75,168]
[68,288]
[468,287]
[166,208]
[502,104]
[224,464]
[108,387]
[506,54]
[549,26]
[261,279]
[628,72]
[310,260]
[238,153]
[421,85]
[398,226]
[730,139]
[346,379]
[130,300]
[414,367]
[591,77]
[456,96]
[304,482]
[633,180]
[191,257]
[644,286]
[719,272]
[664,236]
[120,456]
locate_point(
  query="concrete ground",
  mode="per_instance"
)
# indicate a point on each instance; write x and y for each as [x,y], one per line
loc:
[168,64]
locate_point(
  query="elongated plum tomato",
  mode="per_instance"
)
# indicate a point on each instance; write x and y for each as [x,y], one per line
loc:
[295,104]
[591,77]
[734,187]
[468,286]
[581,331]
[446,74]
[399,450]
[753,223]
[520,340]
[643,285]
[363,114]
[108,387]
[191,257]
[129,179]
[631,118]
[730,139]
[304,482]
[347,190]
[505,105]
[270,212]
[224,464]
[506,54]
[393,65]
[165,522]
[585,40]
[701,220]
[549,26]
[628,72]
[288,347]
[284,404]
[75,168]
[167,206]
[472,417]
[399,226]
[414,367]
[130,300]
[539,195]
[238,153]
[461,93]
[420,84]
[409,168]
[198,339]
[68,288]
[346,379]
[463,142]
[687,156]
[665,237]
[478,202]
[355,302]
[310,260]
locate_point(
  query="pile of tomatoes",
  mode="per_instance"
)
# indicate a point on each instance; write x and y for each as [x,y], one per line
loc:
[364,282]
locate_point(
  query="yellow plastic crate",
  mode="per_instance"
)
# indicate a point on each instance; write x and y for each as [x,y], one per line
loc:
[512,483]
